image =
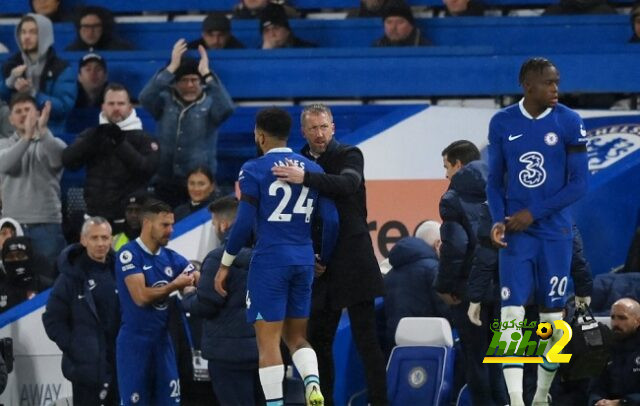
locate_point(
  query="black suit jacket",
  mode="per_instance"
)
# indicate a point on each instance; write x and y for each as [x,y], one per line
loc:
[352,274]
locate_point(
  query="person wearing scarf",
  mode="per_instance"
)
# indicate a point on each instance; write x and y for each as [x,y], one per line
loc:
[119,156]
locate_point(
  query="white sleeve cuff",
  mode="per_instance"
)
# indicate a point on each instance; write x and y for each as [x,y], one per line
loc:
[227,259]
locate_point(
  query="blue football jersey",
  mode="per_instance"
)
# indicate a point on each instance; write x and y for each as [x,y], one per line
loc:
[283,214]
[158,270]
[538,164]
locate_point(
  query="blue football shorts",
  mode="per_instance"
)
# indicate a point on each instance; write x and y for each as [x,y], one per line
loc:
[147,370]
[534,270]
[276,293]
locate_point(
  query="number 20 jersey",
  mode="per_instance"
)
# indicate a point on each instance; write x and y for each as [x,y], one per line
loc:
[285,210]
[532,153]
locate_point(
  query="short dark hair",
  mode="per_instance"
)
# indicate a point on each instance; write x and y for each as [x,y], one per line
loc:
[100,12]
[9,225]
[24,20]
[275,122]
[203,169]
[18,98]
[154,206]
[536,64]
[117,87]
[226,206]
[461,150]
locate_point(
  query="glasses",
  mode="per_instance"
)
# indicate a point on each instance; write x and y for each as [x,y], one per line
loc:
[90,26]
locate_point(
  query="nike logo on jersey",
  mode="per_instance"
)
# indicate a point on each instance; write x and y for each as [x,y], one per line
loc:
[147,267]
[514,137]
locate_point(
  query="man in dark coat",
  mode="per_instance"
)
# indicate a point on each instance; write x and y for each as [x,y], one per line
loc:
[83,315]
[228,341]
[120,157]
[352,278]
[461,208]
[409,285]
[619,383]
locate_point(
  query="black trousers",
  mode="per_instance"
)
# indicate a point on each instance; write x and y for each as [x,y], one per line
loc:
[88,395]
[323,324]
[485,381]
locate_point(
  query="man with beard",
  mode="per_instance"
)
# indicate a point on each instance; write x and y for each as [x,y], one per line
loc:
[146,274]
[120,157]
[619,383]
[282,265]
[228,341]
[189,102]
[37,71]
[352,278]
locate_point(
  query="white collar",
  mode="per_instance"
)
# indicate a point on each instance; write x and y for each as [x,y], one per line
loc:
[280,149]
[529,116]
[146,249]
[132,122]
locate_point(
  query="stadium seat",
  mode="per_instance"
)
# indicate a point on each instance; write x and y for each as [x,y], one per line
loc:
[420,369]
[464,397]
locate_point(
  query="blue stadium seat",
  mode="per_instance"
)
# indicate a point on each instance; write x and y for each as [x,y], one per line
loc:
[420,369]
[464,397]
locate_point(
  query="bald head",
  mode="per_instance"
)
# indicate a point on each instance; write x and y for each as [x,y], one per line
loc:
[625,317]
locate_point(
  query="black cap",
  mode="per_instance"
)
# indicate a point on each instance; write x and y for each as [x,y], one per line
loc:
[399,10]
[93,57]
[635,11]
[139,197]
[274,14]
[188,66]
[216,22]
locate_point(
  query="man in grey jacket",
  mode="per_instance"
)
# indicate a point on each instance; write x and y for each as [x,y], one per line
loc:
[30,169]
[189,102]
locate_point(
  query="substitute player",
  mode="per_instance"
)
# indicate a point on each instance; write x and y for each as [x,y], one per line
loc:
[146,274]
[537,169]
[282,264]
